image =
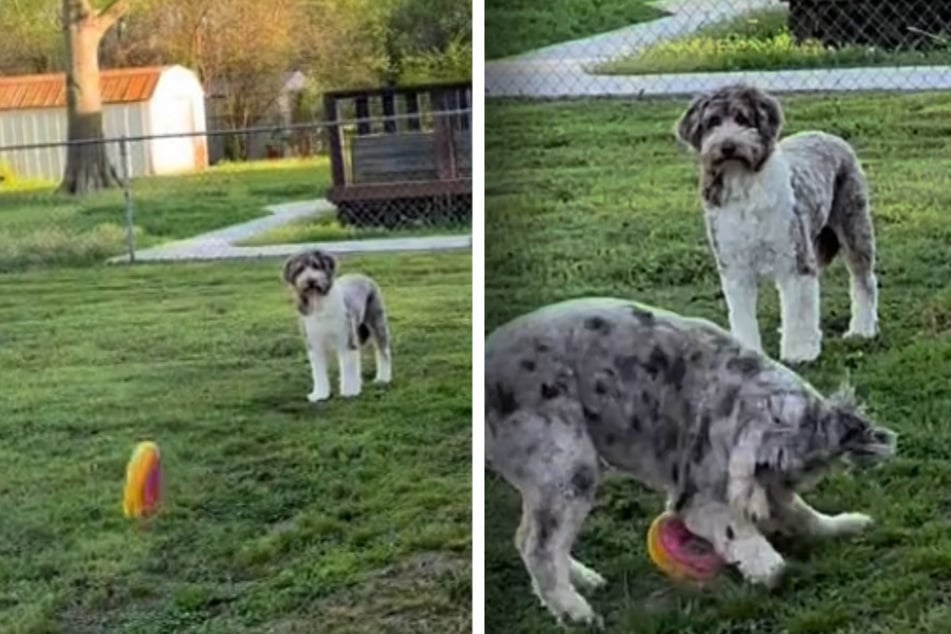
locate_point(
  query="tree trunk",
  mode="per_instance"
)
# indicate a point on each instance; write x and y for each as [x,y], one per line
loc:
[87,164]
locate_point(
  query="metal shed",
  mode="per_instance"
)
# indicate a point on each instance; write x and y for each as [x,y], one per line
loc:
[137,102]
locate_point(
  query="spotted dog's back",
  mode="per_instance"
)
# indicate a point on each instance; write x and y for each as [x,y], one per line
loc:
[651,391]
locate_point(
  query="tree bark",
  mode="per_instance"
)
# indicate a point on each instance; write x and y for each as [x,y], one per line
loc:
[87,165]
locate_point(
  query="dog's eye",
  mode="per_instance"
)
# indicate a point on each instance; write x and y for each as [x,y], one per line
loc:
[742,121]
[714,121]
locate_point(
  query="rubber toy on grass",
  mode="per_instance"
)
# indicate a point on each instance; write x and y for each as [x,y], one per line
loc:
[679,553]
[143,484]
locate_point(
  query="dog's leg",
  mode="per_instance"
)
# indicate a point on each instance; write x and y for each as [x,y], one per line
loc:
[552,523]
[736,539]
[580,575]
[557,478]
[851,220]
[801,338]
[794,515]
[859,254]
[317,356]
[377,323]
[350,377]
[384,356]
[745,495]
[740,291]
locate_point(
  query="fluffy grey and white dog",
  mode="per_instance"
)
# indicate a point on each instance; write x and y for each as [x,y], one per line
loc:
[338,315]
[582,388]
[780,210]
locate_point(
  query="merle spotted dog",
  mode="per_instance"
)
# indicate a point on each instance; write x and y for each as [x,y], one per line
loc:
[585,387]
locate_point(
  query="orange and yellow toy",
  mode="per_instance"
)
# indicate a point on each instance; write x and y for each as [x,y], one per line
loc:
[143,483]
[679,553]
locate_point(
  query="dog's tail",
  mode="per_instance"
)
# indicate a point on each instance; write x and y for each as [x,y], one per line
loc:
[827,246]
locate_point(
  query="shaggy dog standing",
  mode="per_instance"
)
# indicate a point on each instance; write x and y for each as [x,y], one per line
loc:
[338,316]
[781,210]
[584,387]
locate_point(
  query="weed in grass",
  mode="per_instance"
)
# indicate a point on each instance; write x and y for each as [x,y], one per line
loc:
[596,198]
[759,40]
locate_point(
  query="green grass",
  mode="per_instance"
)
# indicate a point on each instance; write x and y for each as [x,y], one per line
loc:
[596,198]
[280,516]
[518,26]
[328,228]
[40,227]
[759,40]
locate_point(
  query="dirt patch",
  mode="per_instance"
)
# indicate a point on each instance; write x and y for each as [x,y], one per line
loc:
[428,593]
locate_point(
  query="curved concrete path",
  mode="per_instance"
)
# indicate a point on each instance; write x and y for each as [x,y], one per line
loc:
[560,71]
[220,244]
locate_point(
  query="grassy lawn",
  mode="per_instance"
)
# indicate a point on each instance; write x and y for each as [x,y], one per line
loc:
[39,226]
[280,516]
[517,26]
[595,198]
[328,228]
[760,40]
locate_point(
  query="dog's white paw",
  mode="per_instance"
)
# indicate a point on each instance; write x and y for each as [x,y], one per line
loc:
[861,331]
[801,351]
[763,566]
[350,392]
[850,523]
[318,395]
[586,578]
[574,609]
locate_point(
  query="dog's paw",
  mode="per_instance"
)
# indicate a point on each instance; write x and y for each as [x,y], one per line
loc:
[575,610]
[764,567]
[800,352]
[382,379]
[850,523]
[861,332]
[350,391]
[586,578]
[318,395]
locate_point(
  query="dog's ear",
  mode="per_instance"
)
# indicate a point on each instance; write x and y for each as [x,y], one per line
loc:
[769,113]
[327,262]
[292,268]
[688,128]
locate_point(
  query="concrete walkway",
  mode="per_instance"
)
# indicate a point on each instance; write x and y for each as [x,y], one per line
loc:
[220,244]
[561,70]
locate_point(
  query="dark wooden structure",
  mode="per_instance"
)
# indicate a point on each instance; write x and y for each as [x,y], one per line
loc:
[888,24]
[401,155]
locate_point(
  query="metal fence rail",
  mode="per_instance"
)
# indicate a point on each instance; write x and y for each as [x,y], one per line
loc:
[258,187]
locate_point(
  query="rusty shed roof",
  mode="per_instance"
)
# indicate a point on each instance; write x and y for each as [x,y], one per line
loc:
[121,85]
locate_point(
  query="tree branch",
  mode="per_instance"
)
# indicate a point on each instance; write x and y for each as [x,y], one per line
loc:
[111,14]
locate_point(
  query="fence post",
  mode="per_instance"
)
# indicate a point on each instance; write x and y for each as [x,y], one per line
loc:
[126,160]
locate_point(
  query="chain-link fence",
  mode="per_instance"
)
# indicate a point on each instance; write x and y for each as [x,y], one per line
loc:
[391,164]
[684,46]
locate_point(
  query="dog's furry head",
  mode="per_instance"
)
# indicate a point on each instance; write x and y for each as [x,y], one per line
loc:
[737,123]
[311,275]
[827,433]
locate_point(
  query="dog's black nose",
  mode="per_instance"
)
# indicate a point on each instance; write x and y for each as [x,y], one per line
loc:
[728,149]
